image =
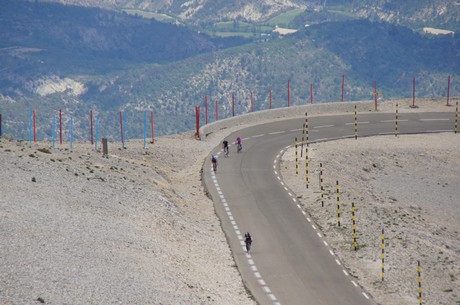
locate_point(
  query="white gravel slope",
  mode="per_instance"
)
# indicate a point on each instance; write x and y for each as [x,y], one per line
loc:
[136,228]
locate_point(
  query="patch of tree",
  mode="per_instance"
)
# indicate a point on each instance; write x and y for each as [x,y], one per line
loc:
[74,38]
[379,50]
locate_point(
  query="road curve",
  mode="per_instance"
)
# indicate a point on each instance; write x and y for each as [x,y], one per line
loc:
[291,262]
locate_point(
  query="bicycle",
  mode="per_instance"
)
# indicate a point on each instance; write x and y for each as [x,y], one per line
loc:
[225,147]
[248,245]
[248,241]
[214,163]
[239,147]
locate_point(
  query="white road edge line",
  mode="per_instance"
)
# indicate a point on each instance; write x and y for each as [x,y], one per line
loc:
[358,123]
[434,119]
[439,131]
[323,126]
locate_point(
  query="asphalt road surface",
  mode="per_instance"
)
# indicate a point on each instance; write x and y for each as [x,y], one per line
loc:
[290,261]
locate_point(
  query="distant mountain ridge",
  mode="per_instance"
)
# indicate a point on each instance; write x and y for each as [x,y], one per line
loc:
[79,59]
[413,13]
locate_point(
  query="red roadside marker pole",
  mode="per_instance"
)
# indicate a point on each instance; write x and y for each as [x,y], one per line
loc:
[311,93]
[343,85]
[270,99]
[448,90]
[35,126]
[60,126]
[375,95]
[197,112]
[91,125]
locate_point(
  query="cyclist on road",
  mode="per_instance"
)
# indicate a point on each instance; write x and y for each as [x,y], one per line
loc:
[239,145]
[225,146]
[248,241]
[214,162]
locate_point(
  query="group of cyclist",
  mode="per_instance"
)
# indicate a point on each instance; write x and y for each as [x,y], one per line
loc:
[239,146]
[225,147]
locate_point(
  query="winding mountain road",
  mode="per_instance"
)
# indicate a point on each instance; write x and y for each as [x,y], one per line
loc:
[291,262]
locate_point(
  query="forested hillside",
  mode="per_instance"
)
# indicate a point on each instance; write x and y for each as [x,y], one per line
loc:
[82,59]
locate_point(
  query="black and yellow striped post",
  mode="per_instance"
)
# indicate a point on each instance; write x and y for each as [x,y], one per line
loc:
[321,185]
[303,139]
[296,159]
[306,130]
[338,202]
[356,124]
[419,283]
[306,167]
[396,120]
[383,255]
[355,245]
[456,117]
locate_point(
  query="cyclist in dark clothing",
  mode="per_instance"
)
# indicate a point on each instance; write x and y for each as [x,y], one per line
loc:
[225,146]
[248,241]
